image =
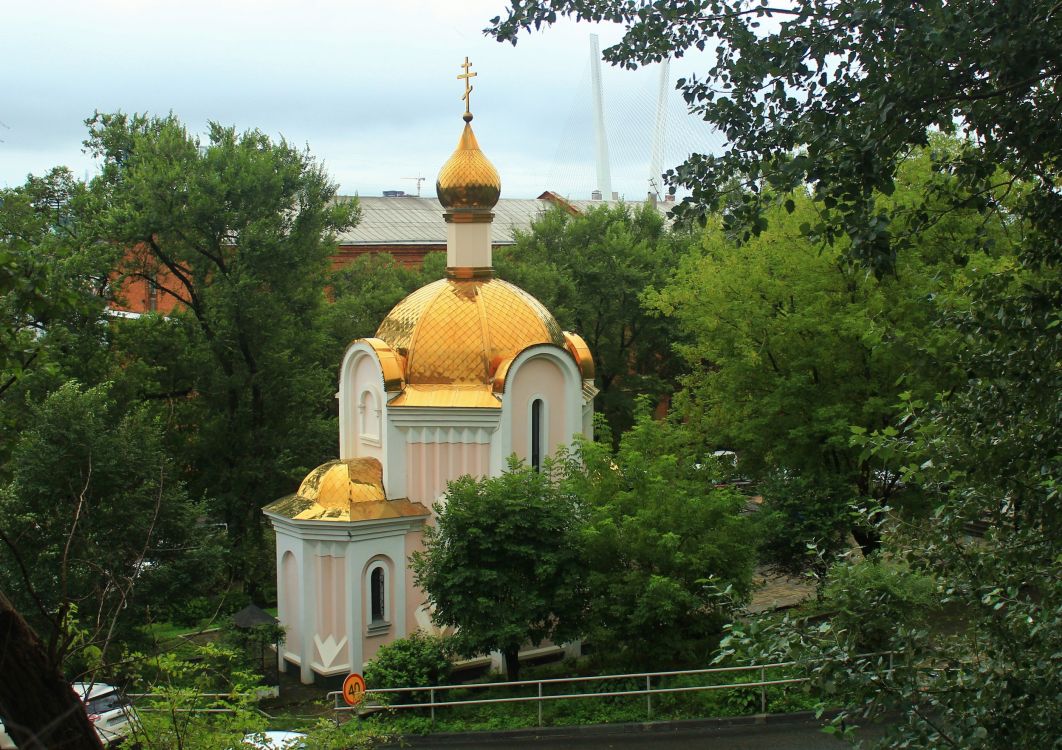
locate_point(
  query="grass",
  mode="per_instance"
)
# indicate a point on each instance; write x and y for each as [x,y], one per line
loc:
[163,632]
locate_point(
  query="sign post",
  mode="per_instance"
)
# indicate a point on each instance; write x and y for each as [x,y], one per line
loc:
[354,689]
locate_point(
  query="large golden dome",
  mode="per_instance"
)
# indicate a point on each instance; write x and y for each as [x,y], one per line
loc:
[468,180]
[456,332]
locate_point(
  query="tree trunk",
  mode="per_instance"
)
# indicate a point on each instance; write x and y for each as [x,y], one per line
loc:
[39,708]
[512,663]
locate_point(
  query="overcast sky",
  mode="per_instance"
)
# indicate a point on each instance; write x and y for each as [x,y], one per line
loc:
[370,87]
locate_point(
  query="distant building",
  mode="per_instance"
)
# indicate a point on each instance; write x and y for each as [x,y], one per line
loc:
[409,227]
[405,226]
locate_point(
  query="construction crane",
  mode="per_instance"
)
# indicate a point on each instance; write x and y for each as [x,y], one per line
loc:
[419,180]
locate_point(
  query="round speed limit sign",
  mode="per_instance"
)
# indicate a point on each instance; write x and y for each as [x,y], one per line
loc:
[353,689]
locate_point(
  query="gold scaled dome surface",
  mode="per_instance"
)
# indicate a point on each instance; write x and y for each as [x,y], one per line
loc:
[344,490]
[457,331]
[468,180]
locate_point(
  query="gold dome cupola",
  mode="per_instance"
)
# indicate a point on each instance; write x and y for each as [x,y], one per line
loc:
[468,187]
[468,181]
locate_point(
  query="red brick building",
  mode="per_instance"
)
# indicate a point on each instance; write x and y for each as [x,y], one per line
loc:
[405,226]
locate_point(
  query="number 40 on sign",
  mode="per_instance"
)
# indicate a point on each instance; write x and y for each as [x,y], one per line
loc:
[353,689]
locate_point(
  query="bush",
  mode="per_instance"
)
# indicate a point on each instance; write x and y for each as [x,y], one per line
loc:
[418,660]
[872,597]
[194,611]
[801,511]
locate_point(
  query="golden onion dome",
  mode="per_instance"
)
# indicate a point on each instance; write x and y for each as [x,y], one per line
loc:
[457,331]
[468,180]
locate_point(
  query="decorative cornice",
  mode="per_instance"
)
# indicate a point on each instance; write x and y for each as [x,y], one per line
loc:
[479,435]
[345,531]
[444,417]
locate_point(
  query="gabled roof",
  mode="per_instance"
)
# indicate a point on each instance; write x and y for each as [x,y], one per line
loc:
[408,220]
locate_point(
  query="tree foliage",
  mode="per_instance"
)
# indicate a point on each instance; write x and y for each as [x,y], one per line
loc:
[835,96]
[93,506]
[788,345]
[502,564]
[591,271]
[667,553]
[59,274]
[238,229]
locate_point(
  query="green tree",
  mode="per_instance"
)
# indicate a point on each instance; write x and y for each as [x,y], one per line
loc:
[238,229]
[364,291]
[854,86]
[502,564]
[788,345]
[835,95]
[591,271]
[53,279]
[94,508]
[668,554]
[60,278]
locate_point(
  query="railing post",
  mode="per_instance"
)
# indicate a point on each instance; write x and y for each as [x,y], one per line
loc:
[763,690]
[648,699]
[431,696]
[540,703]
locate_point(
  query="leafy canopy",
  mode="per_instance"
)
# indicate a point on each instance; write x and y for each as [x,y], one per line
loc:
[94,507]
[788,345]
[667,553]
[239,230]
[833,95]
[502,564]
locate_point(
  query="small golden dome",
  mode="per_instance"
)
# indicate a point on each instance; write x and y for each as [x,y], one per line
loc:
[344,490]
[336,484]
[457,331]
[468,179]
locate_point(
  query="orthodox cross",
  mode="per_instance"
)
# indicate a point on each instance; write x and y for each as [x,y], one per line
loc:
[467,76]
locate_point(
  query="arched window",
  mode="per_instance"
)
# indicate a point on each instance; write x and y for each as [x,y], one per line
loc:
[370,416]
[536,434]
[377,589]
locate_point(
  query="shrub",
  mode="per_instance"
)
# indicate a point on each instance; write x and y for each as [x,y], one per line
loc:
[801,511]
[418,660]
[873,596]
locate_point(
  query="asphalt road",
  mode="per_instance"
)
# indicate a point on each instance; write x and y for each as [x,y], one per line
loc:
[784,734]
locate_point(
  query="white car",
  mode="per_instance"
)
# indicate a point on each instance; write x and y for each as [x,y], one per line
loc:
[108,710]
[274,740]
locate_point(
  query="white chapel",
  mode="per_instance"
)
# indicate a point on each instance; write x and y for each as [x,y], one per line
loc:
[461,374]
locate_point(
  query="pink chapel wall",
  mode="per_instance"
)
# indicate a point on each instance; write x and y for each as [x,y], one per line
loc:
[429,466]
[289,569]
[414,596]
[331,598]
[540,377]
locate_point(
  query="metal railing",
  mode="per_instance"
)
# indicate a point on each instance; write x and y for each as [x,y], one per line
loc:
[648,690]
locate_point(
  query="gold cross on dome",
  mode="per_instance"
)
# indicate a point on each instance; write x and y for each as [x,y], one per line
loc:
[467,76]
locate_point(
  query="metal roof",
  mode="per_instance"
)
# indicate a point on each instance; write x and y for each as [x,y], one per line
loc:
[408,220]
